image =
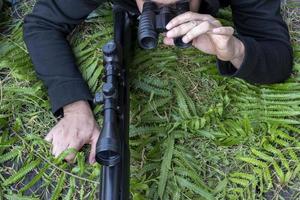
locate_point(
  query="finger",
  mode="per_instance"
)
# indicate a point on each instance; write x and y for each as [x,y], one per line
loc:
[52,132]
[75,145]
[221,42]
[169,41]
[224,30]
[92,156]
[58,149]
[182,29]
[60,144]
[202,28]
[49,137]
[187,17]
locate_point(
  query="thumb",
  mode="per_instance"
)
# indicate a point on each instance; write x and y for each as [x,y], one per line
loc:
[92,156]
[169,41]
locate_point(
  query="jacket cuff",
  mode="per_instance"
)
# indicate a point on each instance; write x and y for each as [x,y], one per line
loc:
[226,68]
[67,93]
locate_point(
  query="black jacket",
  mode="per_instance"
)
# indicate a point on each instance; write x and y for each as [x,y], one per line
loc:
[258,23]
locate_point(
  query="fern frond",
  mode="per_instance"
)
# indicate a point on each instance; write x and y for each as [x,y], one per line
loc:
[165,166]
[21,173]
[59,187]
[186,184]
[10,155]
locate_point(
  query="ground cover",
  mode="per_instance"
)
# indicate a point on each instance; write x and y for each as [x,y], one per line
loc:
[193,135]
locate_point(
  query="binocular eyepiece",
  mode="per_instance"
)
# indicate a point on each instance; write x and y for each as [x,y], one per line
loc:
[154,20]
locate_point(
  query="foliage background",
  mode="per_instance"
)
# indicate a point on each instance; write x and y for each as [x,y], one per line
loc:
[193,135]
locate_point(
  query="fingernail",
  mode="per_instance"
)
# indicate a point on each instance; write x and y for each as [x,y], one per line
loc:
[185,40]
[168,26]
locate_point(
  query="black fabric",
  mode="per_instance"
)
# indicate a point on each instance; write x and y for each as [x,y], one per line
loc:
[258,23]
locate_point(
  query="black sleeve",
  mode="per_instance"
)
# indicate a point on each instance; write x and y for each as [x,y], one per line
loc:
[268,56]
[45,32]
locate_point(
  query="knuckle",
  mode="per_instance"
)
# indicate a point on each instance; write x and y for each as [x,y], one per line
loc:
[189,14]
[206,24]
[178,30]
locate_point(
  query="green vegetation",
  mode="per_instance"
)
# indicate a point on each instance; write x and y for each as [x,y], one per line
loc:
[193,135]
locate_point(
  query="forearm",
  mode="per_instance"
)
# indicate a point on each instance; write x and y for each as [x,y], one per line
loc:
[264,62]
[268,53]
[45,32]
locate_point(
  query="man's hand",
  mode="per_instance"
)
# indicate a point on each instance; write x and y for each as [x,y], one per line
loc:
[76,128]
[208,35]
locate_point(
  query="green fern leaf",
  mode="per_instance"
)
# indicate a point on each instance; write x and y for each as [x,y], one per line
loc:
[154,105]
[165,166]
[138,131]
[35,179]
[242,182]
[10,155]
[18,197]
[59,187]
[71,190]
[21,173]
[249,177]
[253,161]
[279,172]
[190,186]
[262,155]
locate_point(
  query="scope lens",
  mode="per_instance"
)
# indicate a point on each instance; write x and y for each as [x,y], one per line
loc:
[108,158]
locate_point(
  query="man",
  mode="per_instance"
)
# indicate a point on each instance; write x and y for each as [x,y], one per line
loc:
[260,52]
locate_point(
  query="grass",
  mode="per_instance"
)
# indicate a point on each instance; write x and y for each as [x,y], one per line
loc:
[193,135]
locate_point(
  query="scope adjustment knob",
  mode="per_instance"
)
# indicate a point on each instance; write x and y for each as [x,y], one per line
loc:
[110,48]
[99,98]
[108,89]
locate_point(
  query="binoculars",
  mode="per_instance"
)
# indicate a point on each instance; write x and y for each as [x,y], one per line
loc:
[154,20]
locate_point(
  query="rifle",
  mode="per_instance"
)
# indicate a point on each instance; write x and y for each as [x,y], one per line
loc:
[112,150]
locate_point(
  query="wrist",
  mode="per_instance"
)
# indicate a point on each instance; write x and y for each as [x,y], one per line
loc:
[78,107]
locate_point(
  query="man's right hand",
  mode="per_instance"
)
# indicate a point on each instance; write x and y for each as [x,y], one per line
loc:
[76,128]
